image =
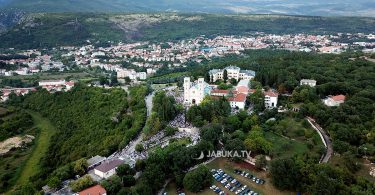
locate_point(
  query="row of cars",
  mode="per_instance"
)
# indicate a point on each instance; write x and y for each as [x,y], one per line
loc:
[230,183]
[249,176]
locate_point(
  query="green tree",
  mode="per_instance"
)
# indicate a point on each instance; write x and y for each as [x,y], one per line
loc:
[198,179]
[260,162]
[169,131]
[112,185]
[139,148]
[225,75]
[80,166]
[125,169]
[82,183]
[286,174]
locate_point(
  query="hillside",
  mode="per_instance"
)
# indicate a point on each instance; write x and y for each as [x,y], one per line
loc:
[41,30]
[295,7]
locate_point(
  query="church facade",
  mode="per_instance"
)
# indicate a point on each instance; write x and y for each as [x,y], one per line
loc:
[194,92]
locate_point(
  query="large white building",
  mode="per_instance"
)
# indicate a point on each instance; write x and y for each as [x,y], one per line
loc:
[270,99]
[334,100]
[194,92]
[309,82]
[56,85]
[131,73]
[232,72]
[108,168]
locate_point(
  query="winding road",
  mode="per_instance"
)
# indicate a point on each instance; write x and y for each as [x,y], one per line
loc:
[325,138]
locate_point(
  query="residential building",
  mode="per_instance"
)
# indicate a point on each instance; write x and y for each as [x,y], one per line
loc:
[56,85]
[94,190]
[194,92]
[309,82]
[232,72]
[18,91]
[108,168]
[238,101]
[334,100]
[270,99]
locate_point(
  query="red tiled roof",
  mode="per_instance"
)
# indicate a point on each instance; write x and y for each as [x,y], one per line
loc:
[94,190]
[252,90]
[271,94]
[238,98]
[338,97]
[220,91]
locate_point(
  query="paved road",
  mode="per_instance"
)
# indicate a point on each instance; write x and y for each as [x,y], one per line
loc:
[325,138]
[148,100]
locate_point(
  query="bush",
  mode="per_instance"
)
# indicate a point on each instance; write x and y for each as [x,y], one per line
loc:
[82,183]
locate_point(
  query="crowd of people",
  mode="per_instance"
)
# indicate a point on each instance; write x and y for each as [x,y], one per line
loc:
[180,122]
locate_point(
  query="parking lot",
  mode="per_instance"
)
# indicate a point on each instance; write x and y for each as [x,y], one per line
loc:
[230,183]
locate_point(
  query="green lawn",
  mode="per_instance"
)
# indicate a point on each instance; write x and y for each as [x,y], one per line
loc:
[31,166]
[284,147]
[290,136]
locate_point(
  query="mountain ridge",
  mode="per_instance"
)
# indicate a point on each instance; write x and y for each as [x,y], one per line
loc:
[288,7]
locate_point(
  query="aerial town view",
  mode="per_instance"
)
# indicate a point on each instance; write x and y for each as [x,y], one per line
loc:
[248,97]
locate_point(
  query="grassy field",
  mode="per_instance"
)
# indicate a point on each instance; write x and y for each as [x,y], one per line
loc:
[32,164]
[290,137]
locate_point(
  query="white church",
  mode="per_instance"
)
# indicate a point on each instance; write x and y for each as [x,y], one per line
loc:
[194,92]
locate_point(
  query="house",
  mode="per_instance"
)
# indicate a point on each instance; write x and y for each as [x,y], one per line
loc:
[334,100]
[270,99]
[309,82]
[108,168]
[94,190]
[233,72]
[238,101]
[194,92]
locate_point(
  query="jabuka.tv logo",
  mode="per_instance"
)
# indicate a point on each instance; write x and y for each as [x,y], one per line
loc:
[224,153]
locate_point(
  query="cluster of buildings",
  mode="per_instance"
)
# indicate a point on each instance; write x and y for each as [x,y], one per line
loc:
[34,64]
[56,85]
[49,85]
[195,92]
[150,56]
[17,91]
[331,100]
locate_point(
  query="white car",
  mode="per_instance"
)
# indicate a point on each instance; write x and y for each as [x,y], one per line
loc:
[234,181]
[238,191]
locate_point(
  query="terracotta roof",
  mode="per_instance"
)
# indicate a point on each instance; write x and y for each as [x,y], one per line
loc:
[94,190]
[241,97]
[252,90]
[220,91]
[271,94]
[109,165]
[338,97]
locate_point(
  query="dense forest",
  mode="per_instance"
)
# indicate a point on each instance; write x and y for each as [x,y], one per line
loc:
[90,121]
[50,30]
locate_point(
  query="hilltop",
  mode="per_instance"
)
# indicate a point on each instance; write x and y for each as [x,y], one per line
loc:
[295,7]
[55,29]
